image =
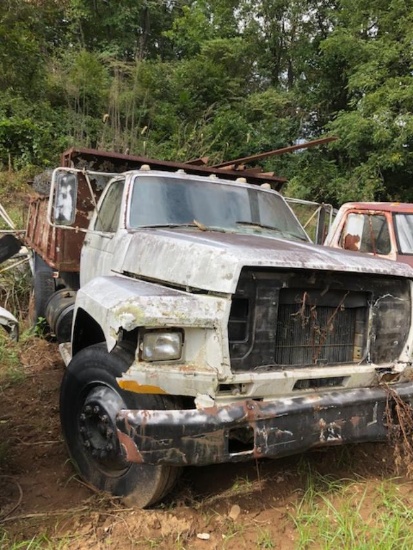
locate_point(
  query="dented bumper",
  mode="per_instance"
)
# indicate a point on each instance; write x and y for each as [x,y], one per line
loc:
[275,428]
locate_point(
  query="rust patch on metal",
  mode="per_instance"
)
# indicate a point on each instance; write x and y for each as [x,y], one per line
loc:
[133,386]
[209,410]
[329,432]
[131,451]
[351,242]
[252,412]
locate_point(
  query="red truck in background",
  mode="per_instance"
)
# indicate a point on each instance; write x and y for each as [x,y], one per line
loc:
[382,229]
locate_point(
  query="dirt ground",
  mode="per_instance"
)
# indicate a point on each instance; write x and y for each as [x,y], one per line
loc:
[249,505]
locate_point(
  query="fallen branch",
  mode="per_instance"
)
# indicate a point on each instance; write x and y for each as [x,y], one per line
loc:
[19,500]
[47,514]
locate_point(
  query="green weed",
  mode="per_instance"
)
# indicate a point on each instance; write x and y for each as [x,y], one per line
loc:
[354,516]
[264,540]
[39,542]
[11,371]
[15,286]
[241,485]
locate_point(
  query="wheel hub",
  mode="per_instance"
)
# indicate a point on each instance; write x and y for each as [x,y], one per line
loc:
[97,427]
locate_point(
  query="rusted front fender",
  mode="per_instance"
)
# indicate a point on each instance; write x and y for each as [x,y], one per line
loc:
[277,428]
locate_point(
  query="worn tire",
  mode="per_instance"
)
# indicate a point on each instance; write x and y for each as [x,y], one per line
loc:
[43,288]
[89,393]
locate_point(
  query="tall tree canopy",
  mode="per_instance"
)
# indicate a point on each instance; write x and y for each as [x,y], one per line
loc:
[219,78]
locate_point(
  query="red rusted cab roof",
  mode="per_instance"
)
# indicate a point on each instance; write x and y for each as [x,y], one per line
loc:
[406,207]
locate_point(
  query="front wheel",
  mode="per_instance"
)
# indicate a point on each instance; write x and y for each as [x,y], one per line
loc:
[89,401]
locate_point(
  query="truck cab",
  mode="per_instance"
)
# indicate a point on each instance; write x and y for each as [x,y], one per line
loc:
[207,328]
[381,229]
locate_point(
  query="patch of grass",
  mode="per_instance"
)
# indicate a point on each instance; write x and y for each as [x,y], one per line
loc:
[151,544]
[264,540]
[230,530]
[41,328]
[15,287]
[180,542]
[314,481]
[355,515]
[39,542]
[241,485]
[14,191]
[11,371]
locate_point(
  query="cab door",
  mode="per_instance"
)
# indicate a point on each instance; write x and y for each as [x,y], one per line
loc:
[103,234]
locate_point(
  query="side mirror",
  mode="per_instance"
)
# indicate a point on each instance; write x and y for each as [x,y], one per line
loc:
[64,186]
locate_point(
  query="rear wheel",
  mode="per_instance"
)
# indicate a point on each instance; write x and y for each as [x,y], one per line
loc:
[89,401]
[43,288]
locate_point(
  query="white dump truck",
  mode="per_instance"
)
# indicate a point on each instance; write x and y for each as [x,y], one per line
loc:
[204,327]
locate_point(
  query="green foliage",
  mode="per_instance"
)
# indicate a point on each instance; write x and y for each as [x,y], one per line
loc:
[20,142]
[126,29]
[30,134]
[353,515]
[20,59]
[190,30]
[11,371]
[216,78]
[38,542]
[15,286]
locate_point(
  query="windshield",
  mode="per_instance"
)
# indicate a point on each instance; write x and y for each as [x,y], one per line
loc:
[166,201]
[404,230]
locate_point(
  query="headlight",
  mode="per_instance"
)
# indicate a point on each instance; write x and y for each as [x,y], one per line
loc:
[161,346]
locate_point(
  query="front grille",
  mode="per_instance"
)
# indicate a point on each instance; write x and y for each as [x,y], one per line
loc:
[306,318]
[313,329]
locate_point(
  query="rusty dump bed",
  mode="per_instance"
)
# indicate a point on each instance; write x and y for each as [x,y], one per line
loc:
[103,161]
[60,248]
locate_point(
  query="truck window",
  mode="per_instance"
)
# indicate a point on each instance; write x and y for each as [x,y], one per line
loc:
[366,233]
[404,232]
[158,201]
[107,219]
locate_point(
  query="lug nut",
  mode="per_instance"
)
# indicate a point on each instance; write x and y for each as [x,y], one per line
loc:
[104,418]
[109,447]
[82,417]
[88,409]
[87,444]
[96,409]
[109,432]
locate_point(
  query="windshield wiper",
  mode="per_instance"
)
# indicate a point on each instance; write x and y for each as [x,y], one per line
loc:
[272,228]
[195,223]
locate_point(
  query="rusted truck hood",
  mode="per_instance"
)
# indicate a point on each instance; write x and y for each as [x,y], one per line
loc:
[212,261]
